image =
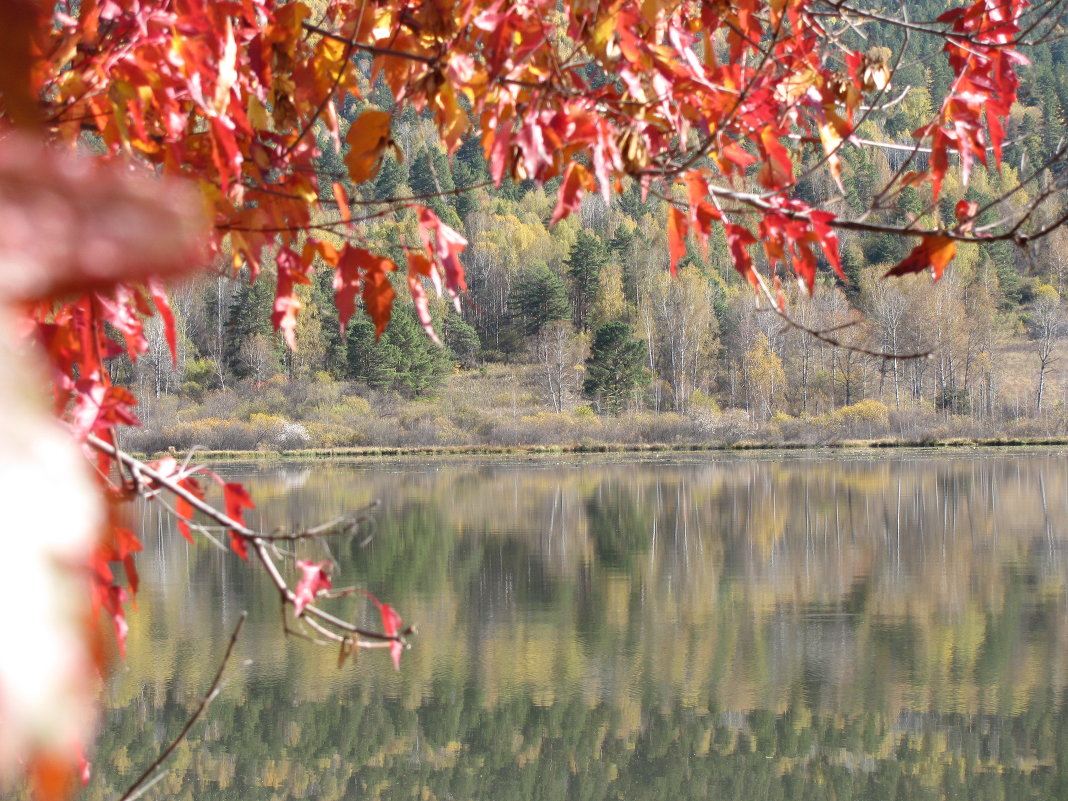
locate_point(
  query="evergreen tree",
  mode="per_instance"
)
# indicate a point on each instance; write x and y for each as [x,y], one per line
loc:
[250,315]
[588,256]
[468,169]
[430,174]
[539,297]
[461,338]
[615,366]
[333,345]
[403,359]
[391,176]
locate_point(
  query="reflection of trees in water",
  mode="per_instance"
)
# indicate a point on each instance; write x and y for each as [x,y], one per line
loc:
[897,616]
[455,744]
[620,523]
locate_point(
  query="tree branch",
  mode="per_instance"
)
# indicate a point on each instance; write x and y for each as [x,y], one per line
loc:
[257,540]
[366,48]
[142,784]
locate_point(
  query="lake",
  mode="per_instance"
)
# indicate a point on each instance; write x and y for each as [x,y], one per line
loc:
[720,626]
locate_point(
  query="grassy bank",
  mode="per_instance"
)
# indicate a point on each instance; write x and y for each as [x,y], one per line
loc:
[499,410]
[311,454]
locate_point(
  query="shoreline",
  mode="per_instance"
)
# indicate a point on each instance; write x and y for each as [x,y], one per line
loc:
[369,452]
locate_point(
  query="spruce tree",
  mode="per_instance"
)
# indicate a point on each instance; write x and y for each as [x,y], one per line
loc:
[539,298]
[391,176]
[615,366]
[250,315]
[588,256]
[403,359]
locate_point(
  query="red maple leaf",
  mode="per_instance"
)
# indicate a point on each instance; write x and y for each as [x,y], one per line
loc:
[390,627]
[237,500]
[314,579]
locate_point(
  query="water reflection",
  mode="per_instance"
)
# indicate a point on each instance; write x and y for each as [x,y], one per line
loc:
[767,627]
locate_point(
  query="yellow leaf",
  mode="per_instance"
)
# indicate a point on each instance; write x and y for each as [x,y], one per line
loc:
[831,144]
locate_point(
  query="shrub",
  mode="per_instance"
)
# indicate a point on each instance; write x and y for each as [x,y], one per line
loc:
[867,418]
[701,402]
[291,436]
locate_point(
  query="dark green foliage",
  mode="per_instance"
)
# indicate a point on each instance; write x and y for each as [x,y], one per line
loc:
[403,359]
[462,339]
[391,176]
[429,176]
[886,249]
[615,366]
[620,525]
[1003,256]
[588,256]
[864,182]
[250,314]
[469,157]
[539,297]
[631,201]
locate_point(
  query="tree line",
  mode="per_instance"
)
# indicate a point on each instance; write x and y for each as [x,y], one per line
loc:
[585,313]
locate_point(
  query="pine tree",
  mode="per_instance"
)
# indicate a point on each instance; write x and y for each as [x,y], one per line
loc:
[462,339]
[614,367]
[588,255]
[430,174]
[250,316]
[539,297]
[403,359]
[334,346]
[391,176]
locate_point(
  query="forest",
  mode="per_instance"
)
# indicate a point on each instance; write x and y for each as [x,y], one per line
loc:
[575,332]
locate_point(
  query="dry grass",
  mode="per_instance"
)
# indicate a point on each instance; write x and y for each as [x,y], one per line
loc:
[501,409]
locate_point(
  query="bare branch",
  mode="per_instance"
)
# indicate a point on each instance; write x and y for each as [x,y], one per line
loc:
[259,543]
[823,335]
[137,789]
[366,48]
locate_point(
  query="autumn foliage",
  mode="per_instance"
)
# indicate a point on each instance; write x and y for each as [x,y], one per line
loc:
[196,124]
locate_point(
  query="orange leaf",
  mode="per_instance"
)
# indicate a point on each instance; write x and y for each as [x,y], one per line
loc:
[291,270]
[738,241]
[20,21]
[52,775]
[356,267]
[419,267]
[184,508]
[342,202]
[444,248]
[378,294]
[778,169]
[933,252]
[676,230]
[577,180]
[966,211]
[367,138]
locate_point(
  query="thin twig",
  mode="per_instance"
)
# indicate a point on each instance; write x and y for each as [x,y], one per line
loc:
[135,790]
[378,51]
[257,540]
[824,335]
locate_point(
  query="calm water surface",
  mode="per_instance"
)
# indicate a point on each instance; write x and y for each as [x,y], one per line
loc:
[744,627]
